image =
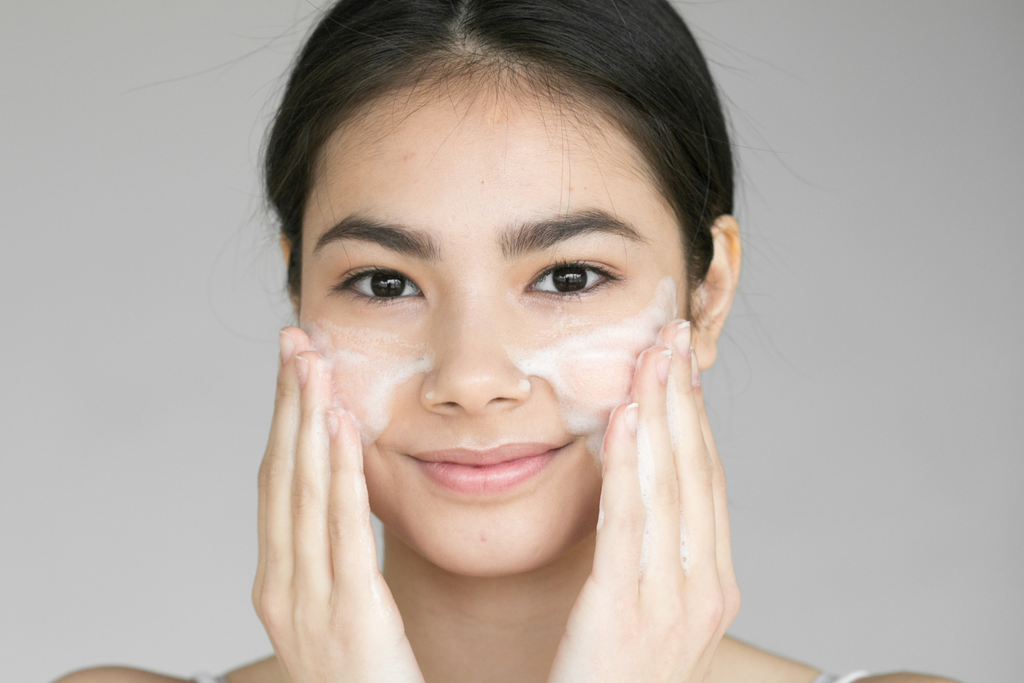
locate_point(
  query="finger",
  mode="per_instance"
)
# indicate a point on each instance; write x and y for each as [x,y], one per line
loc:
[657,468]
[620,525]
[275,476]
[695,469]
[723,536]
[353,547]
[310,479]
[668,334]
[299,337]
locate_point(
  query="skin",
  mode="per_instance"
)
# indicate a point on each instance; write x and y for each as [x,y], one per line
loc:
[459,600]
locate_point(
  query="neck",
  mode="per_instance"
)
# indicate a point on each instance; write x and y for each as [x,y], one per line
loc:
[465,628]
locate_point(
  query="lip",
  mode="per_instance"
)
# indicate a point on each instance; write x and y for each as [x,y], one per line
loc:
[487,471]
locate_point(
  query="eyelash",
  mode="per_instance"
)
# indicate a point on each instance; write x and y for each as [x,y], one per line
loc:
[606,278]
[347,285]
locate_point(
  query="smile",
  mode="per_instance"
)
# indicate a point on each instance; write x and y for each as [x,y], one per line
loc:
[485,472]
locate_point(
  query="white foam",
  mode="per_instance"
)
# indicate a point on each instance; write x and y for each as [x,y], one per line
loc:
[367,366]
[590,369]
[645,468]
[588,366]
[675,433]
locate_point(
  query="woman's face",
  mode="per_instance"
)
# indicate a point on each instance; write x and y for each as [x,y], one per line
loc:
[482,273]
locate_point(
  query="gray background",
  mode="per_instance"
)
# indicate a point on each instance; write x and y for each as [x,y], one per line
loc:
[867,401]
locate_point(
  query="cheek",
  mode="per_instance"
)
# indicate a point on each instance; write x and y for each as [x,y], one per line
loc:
[591,371]
[359,388]
[366,368]
[600,378]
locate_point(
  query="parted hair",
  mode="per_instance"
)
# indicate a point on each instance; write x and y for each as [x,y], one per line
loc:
[633,61]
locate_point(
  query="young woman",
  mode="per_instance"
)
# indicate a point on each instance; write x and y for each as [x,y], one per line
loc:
[510,252]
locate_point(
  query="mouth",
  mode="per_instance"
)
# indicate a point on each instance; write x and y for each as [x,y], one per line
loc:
[494,470]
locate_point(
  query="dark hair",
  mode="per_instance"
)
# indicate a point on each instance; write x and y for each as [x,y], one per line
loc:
[633,60]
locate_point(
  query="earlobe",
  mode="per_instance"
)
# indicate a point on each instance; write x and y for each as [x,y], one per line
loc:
[714,297]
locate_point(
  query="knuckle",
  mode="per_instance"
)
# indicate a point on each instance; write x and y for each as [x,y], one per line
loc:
[263,478]
[305,495]
[631,519]
[286,387]
[719,476]
[257,591]
[273,468]
[709,617]
[272,609]
[336,525]
[733,599]
[666,486]
[702,462]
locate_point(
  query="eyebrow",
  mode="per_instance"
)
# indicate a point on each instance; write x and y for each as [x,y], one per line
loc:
[544,234]
[397,238]
[524,238]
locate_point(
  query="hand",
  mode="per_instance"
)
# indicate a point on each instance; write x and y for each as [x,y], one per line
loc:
[318,592]
[662,619]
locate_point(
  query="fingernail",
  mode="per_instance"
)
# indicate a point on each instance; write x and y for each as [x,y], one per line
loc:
[682,338]
[664,363]
[302,367]
[332,423]
[632,416]
[695,370]
[287,346]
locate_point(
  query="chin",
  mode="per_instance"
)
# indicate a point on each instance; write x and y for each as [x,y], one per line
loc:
[493,536]
[502,547]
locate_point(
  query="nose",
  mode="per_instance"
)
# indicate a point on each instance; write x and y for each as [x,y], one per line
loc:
[472,372]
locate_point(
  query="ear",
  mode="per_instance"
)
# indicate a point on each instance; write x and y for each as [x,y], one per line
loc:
[286,251]
[713,299]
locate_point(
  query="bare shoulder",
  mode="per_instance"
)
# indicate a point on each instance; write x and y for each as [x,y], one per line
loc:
[739,661]
[263,671]
[116,674]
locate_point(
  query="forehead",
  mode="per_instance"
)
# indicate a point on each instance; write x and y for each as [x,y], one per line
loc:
[470,164]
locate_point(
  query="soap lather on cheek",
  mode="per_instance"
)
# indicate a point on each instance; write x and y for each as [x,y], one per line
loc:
[367,366]
[591,371]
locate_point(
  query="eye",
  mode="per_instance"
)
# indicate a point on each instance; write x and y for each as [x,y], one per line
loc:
[568,278]
[383,284]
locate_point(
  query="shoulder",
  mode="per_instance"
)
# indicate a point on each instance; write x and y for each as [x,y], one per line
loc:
[739,661]
[263,671]
[117,674]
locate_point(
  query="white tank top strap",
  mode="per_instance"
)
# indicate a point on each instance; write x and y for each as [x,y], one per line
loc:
[848,678]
